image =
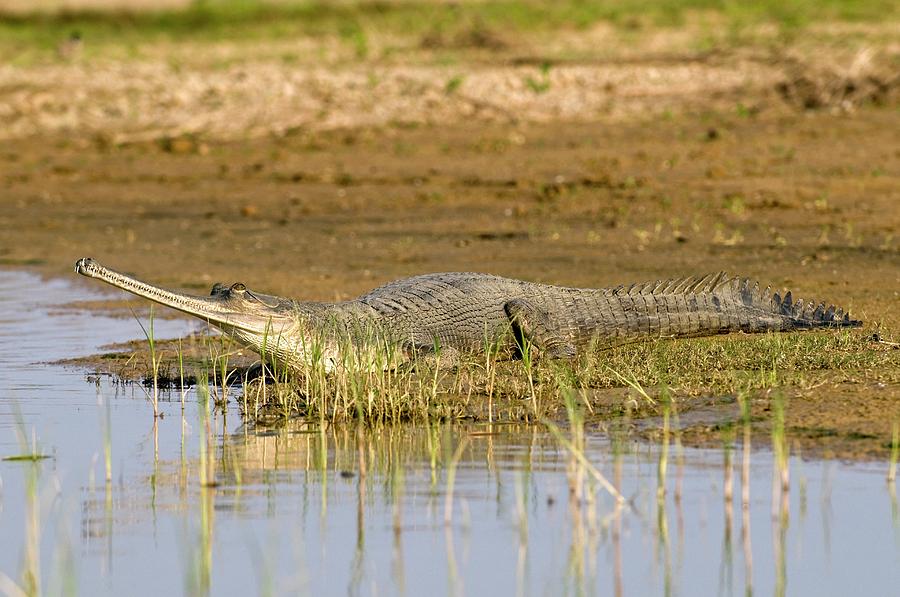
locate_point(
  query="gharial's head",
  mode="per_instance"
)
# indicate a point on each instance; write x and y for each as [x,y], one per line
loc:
[233,308]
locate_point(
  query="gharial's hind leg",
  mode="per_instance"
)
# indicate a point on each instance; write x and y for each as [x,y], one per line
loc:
[531,324]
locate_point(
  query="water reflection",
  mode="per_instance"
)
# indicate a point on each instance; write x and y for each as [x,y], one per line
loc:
[479,503]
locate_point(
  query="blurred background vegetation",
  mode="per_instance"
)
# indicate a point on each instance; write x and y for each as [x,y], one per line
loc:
[476,23]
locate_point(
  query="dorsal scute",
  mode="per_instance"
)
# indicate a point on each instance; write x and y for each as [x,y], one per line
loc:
[809,310]
[688,285]
[642,288]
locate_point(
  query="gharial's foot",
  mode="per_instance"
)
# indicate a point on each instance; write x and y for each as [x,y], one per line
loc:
[531,325]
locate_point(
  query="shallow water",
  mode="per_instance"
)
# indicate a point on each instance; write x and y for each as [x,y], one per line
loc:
[335,510]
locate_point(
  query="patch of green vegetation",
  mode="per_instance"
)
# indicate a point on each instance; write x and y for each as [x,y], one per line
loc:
[453,84]
[541,84]
[723,365]
[533,389]
[257,19]
[353,33]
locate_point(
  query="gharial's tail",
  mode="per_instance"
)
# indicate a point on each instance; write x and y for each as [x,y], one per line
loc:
[811,314]
[718,303]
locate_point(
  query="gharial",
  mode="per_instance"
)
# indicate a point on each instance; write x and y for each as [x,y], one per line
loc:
[450,314]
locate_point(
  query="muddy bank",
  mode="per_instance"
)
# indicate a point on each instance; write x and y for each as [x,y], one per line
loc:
[805,201]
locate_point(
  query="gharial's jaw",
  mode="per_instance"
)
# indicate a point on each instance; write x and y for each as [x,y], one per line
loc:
[235,310]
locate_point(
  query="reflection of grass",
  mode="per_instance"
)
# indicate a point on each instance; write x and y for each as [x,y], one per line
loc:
[256,19]
[583,461]
[107,435]
[31,571]
[451,479]
[199,561]
[30,452]
[779,440]
[895,452]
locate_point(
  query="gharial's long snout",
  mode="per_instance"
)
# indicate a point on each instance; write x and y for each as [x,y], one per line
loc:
[227,310]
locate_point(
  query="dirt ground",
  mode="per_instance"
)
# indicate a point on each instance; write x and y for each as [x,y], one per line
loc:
[798,200]
[589,175]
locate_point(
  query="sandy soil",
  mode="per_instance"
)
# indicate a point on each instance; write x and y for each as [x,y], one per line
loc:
[223,94]
[321,184]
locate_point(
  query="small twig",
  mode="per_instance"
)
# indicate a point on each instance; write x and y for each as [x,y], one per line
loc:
[877,339]
[634,384]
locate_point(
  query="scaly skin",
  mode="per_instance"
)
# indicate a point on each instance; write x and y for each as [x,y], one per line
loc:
[457,313]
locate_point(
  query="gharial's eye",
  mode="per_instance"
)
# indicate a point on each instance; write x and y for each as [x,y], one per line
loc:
[238,287]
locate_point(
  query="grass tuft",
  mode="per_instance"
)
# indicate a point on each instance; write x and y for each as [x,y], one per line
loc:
[367,384]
